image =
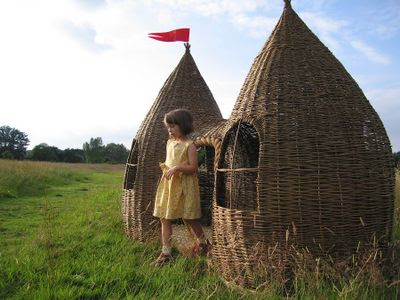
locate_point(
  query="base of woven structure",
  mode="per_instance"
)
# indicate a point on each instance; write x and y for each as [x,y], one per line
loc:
[234,285]
[182,240]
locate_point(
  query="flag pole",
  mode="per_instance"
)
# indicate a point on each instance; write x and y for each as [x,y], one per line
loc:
[187,46]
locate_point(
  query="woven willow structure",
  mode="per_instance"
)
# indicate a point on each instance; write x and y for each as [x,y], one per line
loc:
[303,159]
[303,153]
[184,88]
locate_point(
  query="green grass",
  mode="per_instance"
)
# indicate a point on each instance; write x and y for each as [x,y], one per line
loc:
[69,243]
[28,178]
[61,237]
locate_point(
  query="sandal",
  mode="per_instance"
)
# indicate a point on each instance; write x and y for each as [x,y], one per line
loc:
[202,249]
[162,259]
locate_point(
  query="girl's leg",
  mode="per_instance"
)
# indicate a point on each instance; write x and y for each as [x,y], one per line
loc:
[166,232]
[197,228]
[203,246]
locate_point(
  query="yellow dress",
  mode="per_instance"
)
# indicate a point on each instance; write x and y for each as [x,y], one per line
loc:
[178,197]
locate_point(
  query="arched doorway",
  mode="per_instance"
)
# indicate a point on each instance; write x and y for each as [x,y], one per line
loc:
[238,168]
[206,155]
[131,167]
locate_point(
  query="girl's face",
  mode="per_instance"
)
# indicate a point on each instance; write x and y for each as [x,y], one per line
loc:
[174,130]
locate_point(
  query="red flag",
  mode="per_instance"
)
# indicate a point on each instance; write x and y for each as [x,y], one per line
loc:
[181,34]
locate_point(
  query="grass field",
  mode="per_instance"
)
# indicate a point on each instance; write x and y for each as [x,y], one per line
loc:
[61,237]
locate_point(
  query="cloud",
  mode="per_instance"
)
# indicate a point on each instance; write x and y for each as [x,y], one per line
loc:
[370,52]
[85,35]
[252,16]
[385,22]
[67,93]
[386,99]
[220,7]
[314,5]
[256,26]
[165,16]
[386,103]
[91,4]
[322,23]
[326,28]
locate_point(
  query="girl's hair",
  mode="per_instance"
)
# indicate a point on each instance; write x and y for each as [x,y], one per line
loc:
[181,117]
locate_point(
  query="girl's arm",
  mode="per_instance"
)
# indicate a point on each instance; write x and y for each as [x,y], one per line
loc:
[187,169]
[192,166]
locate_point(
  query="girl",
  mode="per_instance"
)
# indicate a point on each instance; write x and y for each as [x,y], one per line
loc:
[178,193]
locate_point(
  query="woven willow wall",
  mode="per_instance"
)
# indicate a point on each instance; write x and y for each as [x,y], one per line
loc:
[303,152]
[184,88]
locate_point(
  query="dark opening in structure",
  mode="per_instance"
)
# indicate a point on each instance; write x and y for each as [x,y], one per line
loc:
[131,167]
[206,156]
[238,168]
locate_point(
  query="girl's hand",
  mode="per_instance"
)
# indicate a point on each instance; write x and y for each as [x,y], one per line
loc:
[171,172]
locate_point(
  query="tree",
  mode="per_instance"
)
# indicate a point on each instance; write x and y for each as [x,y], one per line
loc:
[396,156]
[28,154]
[44,152]
[59,153]
[94,150]
[116,153]
[13,143]
[74,155]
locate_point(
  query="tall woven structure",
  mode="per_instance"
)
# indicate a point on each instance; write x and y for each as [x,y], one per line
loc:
[303,154]
[184,88]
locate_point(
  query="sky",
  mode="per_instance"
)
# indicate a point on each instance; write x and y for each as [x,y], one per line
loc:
[75,69]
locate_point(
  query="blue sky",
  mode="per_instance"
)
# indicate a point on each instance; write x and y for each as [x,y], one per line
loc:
[75,69]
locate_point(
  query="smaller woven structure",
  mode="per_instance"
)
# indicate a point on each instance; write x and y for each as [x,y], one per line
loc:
[184,88]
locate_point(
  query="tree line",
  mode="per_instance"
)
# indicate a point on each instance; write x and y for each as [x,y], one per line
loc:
[396,157]
[13,145]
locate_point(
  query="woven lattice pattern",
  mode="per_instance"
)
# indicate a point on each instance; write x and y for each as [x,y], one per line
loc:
[324,164]
[184,88]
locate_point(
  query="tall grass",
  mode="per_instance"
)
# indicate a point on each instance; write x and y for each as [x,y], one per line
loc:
[30,178]
[69,244]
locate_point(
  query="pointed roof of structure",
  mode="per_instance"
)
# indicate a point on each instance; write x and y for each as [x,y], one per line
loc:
[293,65]
[184,88]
